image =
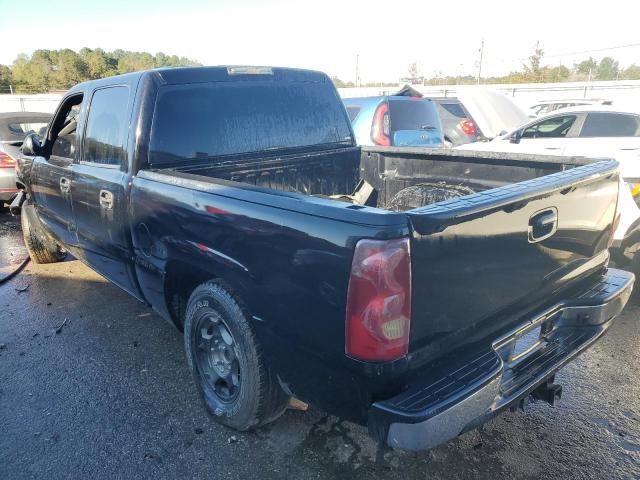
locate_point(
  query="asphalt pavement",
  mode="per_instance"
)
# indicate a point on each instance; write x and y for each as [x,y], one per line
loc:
[94,385]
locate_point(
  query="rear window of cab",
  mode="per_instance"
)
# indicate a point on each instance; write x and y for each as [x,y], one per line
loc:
[200,121]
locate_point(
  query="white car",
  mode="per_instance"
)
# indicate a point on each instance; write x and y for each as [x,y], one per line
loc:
[549,106]
[596,131]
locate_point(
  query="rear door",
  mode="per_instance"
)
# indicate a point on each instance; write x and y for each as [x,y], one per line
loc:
[100,186]
[610,135]
[52,172]
[480,261]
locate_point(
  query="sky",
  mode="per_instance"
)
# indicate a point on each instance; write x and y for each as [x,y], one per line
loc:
[329,35]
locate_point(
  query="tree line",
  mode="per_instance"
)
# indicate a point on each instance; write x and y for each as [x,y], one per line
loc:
[52,70]
[533,71]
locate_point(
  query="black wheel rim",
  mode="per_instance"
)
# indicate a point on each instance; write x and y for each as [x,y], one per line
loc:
[216,357]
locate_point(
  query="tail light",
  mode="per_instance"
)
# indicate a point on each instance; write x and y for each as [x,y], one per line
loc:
[468,127]
[6,161]
[379,301]
[381,130]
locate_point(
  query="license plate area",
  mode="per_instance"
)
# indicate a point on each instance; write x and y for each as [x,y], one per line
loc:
[526,343]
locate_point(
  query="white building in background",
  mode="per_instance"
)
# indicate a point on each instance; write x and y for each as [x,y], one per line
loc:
[45,102]
[626,92]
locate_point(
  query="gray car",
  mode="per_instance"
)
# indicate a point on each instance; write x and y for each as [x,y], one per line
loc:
[13,128]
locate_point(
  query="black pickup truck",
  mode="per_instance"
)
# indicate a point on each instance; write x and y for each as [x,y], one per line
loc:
[416,292]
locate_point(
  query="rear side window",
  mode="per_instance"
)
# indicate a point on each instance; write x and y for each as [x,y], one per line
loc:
[107,126]
[353,111]
[413,115]
[604,124]
[213,120]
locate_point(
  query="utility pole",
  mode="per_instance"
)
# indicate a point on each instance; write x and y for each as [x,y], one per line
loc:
[357,74]
[11,89]
[480,62]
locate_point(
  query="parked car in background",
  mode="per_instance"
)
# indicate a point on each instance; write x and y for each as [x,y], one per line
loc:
[395,120]
[477,114]
[542,108]
[14,126]
[595,131]
[458,126]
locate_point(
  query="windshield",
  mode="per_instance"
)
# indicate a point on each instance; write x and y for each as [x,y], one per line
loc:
[18,129]
[212,120]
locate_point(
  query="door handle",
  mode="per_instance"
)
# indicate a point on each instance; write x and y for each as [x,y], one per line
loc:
[106,199]
[65,185]
[543,224]
[552,148]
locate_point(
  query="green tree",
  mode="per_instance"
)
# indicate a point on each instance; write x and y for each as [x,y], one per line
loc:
[533,71]
[608,69]
[632,72]
[587,66]
[5,79]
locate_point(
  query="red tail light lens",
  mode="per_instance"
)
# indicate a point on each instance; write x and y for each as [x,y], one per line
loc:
[468,127]
[6,161]
[381,130]
[379,301]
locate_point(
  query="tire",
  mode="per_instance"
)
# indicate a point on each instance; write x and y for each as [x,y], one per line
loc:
[237,388]
[41,248]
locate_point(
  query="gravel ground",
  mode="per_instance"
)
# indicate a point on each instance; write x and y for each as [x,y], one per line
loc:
[93,384]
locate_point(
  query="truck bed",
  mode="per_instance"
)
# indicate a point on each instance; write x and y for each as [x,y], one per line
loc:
[389,171]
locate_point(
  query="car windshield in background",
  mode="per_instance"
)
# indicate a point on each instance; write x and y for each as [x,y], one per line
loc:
[15,131]
[414,114]
[210,120]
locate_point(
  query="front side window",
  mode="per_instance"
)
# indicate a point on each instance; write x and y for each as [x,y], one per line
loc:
[556,127]
[64,131]
[107,126]
[603,124]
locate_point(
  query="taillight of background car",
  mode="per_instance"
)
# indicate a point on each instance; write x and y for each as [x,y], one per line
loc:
[468,127]
[6,161]
[379,301]
[381,129]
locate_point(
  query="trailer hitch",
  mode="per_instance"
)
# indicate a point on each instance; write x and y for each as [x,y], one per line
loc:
[548,391]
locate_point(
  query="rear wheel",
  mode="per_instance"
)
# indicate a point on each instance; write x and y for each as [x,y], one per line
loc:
[41,247]
[236,386]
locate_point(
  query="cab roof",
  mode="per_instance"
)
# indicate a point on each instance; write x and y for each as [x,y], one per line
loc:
[223,73]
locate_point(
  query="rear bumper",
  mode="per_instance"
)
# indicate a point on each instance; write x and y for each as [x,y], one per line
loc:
[442,408]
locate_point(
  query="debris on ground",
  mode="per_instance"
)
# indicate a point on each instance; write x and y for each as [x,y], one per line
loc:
[23,289]
[59,328]
[295,404]
[232,439]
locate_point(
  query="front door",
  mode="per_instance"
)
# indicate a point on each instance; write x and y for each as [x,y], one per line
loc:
[100,187]
[52,172]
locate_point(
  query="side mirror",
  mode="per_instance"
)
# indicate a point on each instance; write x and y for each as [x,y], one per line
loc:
[31,145]
[516,136]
